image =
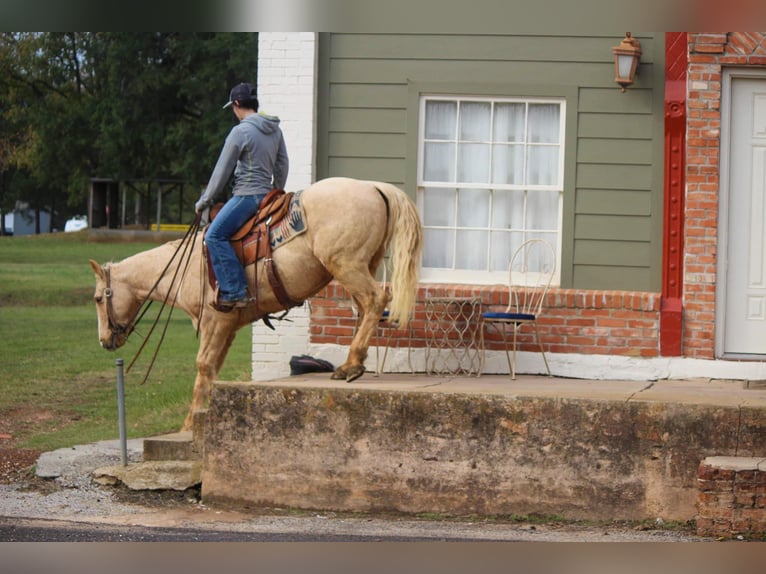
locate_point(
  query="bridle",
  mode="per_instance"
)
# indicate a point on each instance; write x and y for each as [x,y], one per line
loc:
[116,328]
[185,249]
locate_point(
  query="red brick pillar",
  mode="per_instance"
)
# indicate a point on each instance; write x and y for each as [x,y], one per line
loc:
[671,312]
[731,498]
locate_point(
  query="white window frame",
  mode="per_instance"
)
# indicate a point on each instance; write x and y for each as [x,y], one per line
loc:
[442,275]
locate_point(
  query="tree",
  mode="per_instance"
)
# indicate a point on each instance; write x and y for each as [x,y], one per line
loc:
[122,105]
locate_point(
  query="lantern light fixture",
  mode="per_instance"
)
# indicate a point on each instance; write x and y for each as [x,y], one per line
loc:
[626,58]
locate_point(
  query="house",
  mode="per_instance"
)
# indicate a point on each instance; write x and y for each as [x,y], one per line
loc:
[653,197]
[25,221]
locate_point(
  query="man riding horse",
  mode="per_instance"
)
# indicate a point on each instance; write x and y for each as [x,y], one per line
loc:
[255,150]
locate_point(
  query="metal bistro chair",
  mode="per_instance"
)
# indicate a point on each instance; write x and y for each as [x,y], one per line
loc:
[392,327]
[530,273]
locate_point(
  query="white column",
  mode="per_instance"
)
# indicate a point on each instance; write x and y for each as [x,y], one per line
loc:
[287,88]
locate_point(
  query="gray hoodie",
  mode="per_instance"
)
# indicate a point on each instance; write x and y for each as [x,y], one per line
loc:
[255,150]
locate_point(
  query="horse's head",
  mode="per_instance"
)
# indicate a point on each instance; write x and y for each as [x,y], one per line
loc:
[116,308]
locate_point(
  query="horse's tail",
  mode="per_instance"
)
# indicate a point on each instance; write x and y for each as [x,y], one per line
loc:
[405,236]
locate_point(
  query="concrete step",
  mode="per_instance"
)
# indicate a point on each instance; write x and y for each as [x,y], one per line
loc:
[173,446]
[170,462]
[178,446]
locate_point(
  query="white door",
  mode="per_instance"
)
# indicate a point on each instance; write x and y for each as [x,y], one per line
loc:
[744,205]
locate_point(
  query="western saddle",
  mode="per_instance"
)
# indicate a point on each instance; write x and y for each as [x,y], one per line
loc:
[251,243]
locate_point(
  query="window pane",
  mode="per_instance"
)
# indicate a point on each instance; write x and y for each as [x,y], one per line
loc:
[503,247]
[473,207]
[439,207]
[441,120]
[500,251]
[473,163]
[471,250]
[542,165]
[509,123]
[438,248]
[474,121]
[544,123]
[542,209]
[439,162]
[508,209]
[508,164]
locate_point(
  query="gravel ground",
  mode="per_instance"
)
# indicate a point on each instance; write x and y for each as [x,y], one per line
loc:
[62,489]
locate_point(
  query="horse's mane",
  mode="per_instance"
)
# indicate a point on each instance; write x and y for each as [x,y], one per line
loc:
[155,252]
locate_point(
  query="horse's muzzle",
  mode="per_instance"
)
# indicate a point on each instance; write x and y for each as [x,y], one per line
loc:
[114,342]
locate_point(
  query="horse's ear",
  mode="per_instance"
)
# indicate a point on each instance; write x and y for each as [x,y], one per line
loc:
[97,269]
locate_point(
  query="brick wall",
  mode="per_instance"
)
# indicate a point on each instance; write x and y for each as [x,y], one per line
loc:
[589,322]
[731,497]
[708,53]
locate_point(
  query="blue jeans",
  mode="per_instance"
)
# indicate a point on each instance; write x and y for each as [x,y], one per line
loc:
[232,282]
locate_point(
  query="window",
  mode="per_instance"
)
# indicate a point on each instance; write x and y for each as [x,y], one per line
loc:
[490,176]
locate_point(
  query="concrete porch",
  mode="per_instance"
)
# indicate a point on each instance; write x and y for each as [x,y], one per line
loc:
[589,449]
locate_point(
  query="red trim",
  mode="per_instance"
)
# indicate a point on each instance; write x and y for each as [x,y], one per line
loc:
[671,313]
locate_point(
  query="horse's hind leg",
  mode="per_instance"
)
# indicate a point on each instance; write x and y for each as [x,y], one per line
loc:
[371,300]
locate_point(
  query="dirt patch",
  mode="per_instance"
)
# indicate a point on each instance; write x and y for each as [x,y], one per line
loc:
[18,421]
[16,464]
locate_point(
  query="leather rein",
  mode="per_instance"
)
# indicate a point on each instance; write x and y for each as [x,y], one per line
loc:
[185,248]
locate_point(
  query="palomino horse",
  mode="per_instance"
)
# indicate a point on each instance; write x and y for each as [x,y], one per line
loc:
[350,225]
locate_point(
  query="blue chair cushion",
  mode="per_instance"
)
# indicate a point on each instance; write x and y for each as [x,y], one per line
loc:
[509,316]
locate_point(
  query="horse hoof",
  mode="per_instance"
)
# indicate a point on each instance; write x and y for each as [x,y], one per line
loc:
[354,373]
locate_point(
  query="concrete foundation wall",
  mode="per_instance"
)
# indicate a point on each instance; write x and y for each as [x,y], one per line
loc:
[363,449]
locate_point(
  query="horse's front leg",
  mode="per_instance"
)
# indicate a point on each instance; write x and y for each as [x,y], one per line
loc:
[201,393]
[213,348]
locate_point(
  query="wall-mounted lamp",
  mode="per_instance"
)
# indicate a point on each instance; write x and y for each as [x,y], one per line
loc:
[626,58]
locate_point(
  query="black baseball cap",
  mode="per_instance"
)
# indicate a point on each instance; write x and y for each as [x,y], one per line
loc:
[241,93]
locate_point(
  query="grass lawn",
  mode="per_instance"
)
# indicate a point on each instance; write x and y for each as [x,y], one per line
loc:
[56,383]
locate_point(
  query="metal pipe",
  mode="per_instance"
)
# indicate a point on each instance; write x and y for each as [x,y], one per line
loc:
[121,413]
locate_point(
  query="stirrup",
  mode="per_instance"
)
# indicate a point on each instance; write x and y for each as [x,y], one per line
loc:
[228,306]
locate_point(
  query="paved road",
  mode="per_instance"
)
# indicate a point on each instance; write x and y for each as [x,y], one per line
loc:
[315,529]
[26,530]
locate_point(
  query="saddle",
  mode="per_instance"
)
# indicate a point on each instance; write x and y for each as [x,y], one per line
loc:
[251,243]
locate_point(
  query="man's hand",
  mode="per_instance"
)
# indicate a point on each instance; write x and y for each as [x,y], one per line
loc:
[203,215]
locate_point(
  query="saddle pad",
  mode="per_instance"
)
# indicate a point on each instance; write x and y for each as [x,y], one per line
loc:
[291,226]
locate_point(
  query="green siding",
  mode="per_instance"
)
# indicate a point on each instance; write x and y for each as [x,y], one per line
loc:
[369,89]
[462,48]
[361,95]
[367,120]
[615,228]
[614,176]
[617,278]
[618,126]
[597,252]
[345,144]
[613,150]
[614,202]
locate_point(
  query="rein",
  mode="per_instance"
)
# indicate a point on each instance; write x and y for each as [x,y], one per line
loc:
[185,248]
